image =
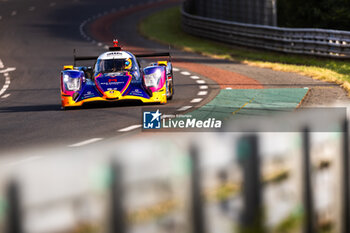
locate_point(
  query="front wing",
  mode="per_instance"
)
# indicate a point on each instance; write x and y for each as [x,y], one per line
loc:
[133,92]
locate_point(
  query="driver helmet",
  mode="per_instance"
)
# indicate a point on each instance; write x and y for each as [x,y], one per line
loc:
[128,64]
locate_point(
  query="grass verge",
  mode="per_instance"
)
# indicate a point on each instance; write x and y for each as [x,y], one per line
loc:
[165,27]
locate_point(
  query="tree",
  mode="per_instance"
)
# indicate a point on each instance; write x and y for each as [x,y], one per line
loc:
[330,14]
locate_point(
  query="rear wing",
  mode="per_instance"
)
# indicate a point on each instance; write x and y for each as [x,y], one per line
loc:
[89,58]
[156,55]
[153,55]
[86,58]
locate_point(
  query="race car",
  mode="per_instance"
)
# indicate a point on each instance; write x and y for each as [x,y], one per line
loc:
[117,75]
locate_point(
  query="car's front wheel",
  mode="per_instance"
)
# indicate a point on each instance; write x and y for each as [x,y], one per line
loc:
[171,90]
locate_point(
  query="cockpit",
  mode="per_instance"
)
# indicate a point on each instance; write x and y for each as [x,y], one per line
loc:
[114,65]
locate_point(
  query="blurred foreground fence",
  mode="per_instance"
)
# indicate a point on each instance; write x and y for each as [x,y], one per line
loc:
[195,182]
[318,42]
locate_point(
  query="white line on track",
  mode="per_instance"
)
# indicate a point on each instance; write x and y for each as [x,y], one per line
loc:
[13,13]
[7,70]
[203,87]
[228,88]
[202,93]
[176,69]
[200,81]
[132,127]
[7,83]
[184,108]
[81,29]
[185,73]
[194,77]
[99,44]
[83,143]
[31,8]
[5,96]
[1,64]
[196,100]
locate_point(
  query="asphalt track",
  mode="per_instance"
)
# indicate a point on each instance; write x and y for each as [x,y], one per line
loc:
[37,38]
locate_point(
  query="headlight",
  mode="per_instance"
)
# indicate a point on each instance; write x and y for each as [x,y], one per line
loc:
[72,84]
[152,80]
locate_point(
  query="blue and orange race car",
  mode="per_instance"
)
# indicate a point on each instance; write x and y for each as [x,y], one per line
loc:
[117,75]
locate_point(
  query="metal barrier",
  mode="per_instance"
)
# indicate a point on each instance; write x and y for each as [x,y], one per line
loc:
[318,42]
[262,12]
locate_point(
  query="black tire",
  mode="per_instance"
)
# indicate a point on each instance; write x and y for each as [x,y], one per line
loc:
[171,89]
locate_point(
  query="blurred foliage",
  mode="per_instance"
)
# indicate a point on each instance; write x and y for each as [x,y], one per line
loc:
[329,14]
[155,211]
[289,224]
[86,228]
[257,226]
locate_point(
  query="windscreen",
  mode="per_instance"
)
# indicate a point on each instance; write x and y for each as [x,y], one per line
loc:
[112,65]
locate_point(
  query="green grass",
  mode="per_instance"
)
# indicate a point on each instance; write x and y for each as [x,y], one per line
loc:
[165,27]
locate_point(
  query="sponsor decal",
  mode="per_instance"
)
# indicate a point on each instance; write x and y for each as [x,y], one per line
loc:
[88,95]
[111,83]
[137,92]
[114,53]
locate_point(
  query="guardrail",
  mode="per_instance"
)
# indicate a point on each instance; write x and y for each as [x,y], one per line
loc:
[262,12]
[318,42]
